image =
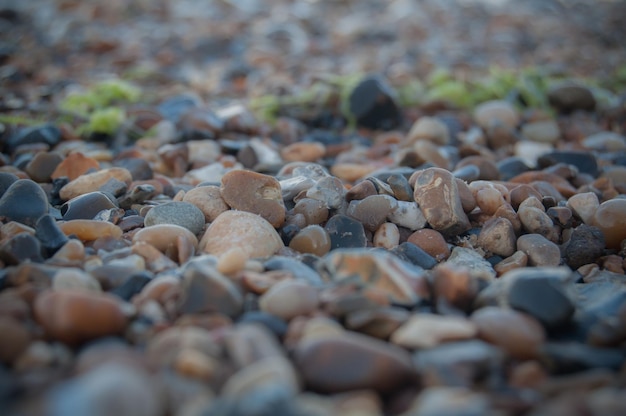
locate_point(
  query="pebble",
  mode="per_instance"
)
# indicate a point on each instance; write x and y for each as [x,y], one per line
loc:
[241,230]
[432,242]
[518,260]
[184,214]
[175,241]
[498,237]
[429,128]
[585,162]
[24,201]
[303,152]
[387,236]
[407,214]
[543,297]
[256,193]
[71,278]
[585,245]
[350,361]
[345,232]
[373,105]
[277,372]
[47,133]
[454,289]
[471,260]
[208,199]
[314,211]
[92,182]
[379,323]
[437,195]
[540,251]
[89,230]
[74,165]
[441,400]
[536,221]
[42,165]
[382,270]
[289,299]
[413,254]
[21,248]
[544,131]
[329,190]
[610,218]
[6,180]
[428,331]
[372,211]
[518,334]
[490,112]
[605,141]
[14,341]
[311,239]
[568,97]
[75,317]
[86,206]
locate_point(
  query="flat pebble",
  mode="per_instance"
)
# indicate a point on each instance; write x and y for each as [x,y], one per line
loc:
[184,214]
[256,193]
[86,206]
[437,195]
[610,218]
[24,201]
[289,299]
[350,361]
[92,182]
[517,333]
[74,317]
[540,251]
[241,230]
[89,230]
[429,330]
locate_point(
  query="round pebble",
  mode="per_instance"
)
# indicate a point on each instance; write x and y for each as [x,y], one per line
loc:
[179,213]
[429,330]
[432,242]
[610,218]
[498,237]
[288,299]
[86,206]
[540,251]
[24,201]
[490,112]
[311,239]
[208,199]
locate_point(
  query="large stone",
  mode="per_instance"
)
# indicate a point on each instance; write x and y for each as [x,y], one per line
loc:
[24,201]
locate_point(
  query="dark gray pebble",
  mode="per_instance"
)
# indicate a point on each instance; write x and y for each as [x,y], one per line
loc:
[24,202]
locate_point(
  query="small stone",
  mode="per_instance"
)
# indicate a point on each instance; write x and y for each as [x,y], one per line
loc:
[436,193]
[89,230]
[311,239]
[518,260]
[350,361]
[71,253]
[429,128]
[490,112]
[92,182]
[205,290]
[373,105]
[530,152]
[610,218]
[208,199]
[14,341]
[303,152]
[387,236]
[274,371]
[21,248]
[75,317]
[86,206]
[487,168]
[498,237]
[314,211]
[544,131]
[47,133]
[288,299]
[372,211]
[407,214]
[432,242]
[540,251]
[132,286]
[378,269]
[544,298]
[71,278]
[256,193]
[49,234]
[241,230]
[454,289]
[536,221]
[183,214]
[519,334]
[429,330]
[521,193]
[361,191]
[328,190]
[585,162]
[379,323]
[413,254]
[74,165]
[586,245]
[175,241]
[568,97]
[345,232]
[475,264]
[42,165]
[606,141]
[24,201]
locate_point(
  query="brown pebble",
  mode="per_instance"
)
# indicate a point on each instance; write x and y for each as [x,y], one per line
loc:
[74,165]
[610,218]
[256,193]
[521,192]
[311,239]
[42,165]
[540,251]
[487,168]
[92,182]
[428,330]
[518,260]
[314,211]
[498,237]
[176,242]
[14,340]
[584,206]
[89,230]
[387,236]
[74,317]
[432,242]
[288,299]
[208,199]
[303,152]
[361,190]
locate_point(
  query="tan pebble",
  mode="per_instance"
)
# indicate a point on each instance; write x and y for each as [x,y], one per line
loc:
[497,111]
[311,239]
[289,299]
[387,236]
[256,193]
[208,199]
[320,327]
[498,237]
[231,262]
[74,278]
[517,333]
[544,131]
[276,371]
[351,172]
[507,211]
[540,251]
[487,197]
[74,165]
[71,252]
[584,206]
[259,282]
[176,242]
[93,181]
[429,128]
[158,289]
[192,363]
[248,232]
[468,202]
[522,192]
[518,260]
[610,218]
[432,242]
[89,230]
[536,221]
[155,261]
[429,330]
[314,211]
[303,152]
[431,152]
[74,317]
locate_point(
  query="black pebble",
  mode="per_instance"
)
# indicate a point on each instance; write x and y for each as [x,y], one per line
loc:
[345,232]
[372,104]
[50,235]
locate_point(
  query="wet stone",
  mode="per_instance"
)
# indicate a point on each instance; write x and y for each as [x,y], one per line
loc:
[544,298]
[498,237]
[24,201]
[437,195]
[48,134]
[372,211]
[429,330]
[256,193]
[289,299]
[334,364]
[568,97]
[75,317]
[86,206]
[49,235]
[42,165]
[610,218]
[345,232]
[586,245]
[179,213]
[540,251]
[21,248]
[243,231]
[373,105]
